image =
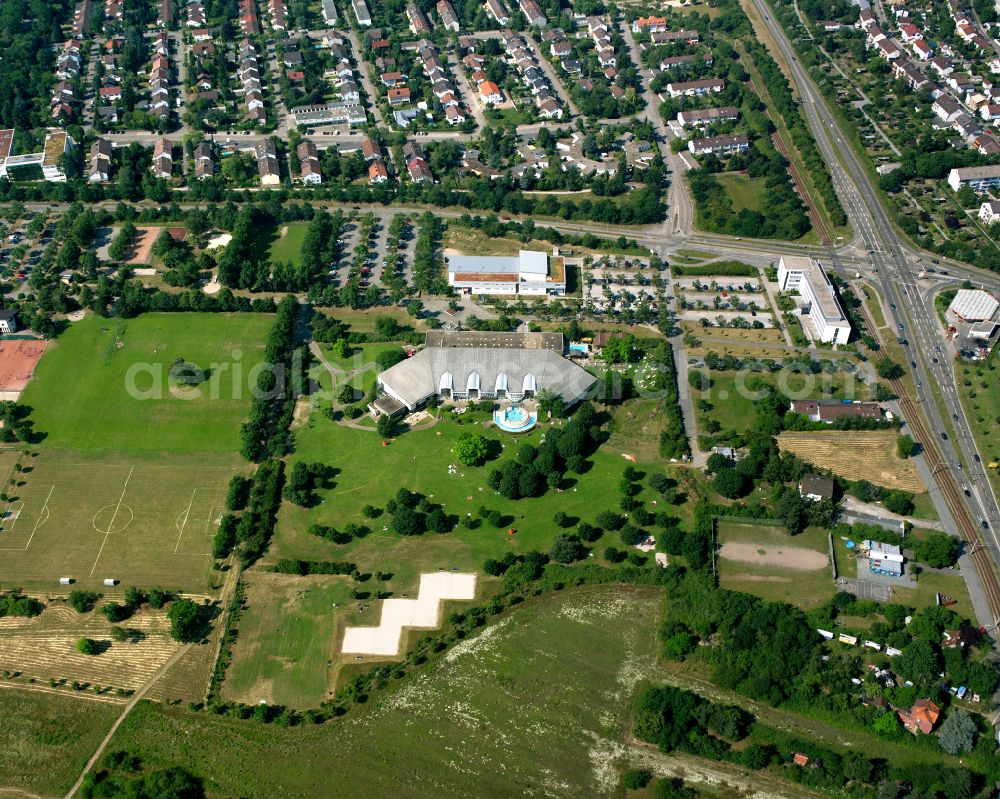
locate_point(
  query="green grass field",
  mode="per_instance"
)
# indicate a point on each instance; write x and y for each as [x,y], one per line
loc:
[745,192]
[286,247]
[286,636]
[104,384]
[143,519]
[778,581]
[46,740]
[539,699]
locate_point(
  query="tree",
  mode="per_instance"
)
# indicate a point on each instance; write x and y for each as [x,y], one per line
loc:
[82,601]
[958,732]
[566,548]
[919,661]
[186,623]
[407,521]
[88,646]
[730,484]
[560,519]
[172,783]
[888,369]
[471,448]
[938,550]
[899,502]
[618,350]
[905,446]
[115,612]
[384,425]
[636,778]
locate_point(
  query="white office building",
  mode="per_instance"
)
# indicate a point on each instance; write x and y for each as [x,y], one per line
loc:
[530,272]
[797,273]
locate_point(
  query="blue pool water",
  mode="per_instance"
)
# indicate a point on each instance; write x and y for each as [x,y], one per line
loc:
[514,419]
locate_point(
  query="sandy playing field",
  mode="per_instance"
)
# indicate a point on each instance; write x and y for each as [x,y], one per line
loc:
[143,245]
[424,611]
[795,558]
[17,363]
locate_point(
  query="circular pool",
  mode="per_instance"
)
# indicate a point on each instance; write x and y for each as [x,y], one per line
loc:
[514,419]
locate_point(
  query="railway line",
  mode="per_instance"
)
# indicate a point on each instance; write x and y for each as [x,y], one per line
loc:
[950,491]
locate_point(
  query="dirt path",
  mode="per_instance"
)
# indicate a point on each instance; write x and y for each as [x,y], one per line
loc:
[125,711]
[793,558]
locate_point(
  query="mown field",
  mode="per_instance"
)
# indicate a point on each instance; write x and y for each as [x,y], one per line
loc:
[46,739]
[284,242]
[537,703]
[104,384]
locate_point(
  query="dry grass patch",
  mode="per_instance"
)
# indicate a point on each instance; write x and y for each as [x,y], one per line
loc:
[854,455]
[44,647]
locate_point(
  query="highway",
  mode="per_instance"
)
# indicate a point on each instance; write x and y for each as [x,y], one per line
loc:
[911,314]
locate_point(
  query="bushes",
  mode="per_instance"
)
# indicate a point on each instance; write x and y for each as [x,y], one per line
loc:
[717,268]
[257,523]
[265,433]
[938,550]
[305,567]
[14,604]
[675,719]
[83,601]
[187,622]
[225,537]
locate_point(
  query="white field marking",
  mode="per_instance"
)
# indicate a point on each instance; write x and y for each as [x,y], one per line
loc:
[186,514]
[43,516]
[111,525]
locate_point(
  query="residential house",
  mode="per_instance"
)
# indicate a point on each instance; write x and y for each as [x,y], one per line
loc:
[497,11]
[100,161]
[163,158]
[267,162]
[309,162]
[449,19]
[204,161]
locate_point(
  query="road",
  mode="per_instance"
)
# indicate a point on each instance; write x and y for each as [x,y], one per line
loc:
[894,266]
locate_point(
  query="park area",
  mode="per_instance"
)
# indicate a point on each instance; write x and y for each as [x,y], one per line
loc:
[768,562]
[104,385]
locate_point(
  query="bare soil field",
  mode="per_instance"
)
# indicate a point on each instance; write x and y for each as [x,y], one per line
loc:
[143,245]
[17,363]
[850,454]
[794,558]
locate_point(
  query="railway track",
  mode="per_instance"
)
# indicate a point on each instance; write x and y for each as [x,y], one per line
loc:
[950,491]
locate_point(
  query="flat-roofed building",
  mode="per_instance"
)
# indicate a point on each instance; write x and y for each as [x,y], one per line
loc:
[798,273]
[978,178]
[530,272]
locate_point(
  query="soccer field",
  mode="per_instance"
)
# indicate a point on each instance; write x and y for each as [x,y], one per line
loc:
[142,520]
[103,385]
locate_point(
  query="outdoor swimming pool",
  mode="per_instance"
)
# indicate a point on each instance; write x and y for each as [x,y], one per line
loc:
[514,419]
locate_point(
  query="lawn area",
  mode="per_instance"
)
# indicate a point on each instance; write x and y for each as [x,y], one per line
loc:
[46,740]
[104,384]
[146,518]
[541,697]
[769,563]
[743,191]
[733,395]
[285,242]
[370,474]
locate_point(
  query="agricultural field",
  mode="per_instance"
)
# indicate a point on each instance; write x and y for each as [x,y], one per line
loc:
[773,565]
[143,519]
[732,395]
[853,454]
[47,738]
[104,384]
[43,648]
[541,697]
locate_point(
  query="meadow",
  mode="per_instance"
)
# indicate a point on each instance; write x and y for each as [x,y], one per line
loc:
[104,384]
[539,700]
[47,739]
[284,242]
